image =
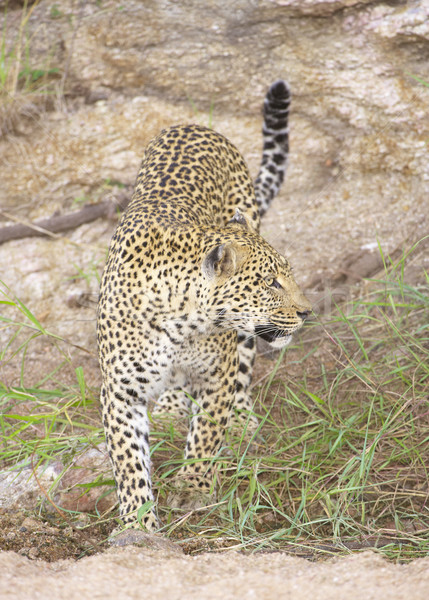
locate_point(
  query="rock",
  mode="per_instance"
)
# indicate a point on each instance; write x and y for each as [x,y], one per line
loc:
[410,24]
[31,524]
[316,8]
[71,493]
[138,537]
[19,488]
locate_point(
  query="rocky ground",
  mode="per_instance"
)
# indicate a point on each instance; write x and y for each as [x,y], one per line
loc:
[357,177]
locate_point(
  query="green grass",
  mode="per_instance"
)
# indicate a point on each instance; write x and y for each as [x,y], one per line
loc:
[198,115]
[49,418]
[341,457]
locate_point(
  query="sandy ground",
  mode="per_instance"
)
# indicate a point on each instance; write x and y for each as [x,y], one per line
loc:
[137,573]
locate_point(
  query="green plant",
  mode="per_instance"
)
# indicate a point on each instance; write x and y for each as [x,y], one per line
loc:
[198,114]
[55,12]
[92,272]
[341,457]
[48,418]
[81,200]
[110,183]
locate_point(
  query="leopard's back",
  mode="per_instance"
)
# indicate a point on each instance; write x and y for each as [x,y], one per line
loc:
[192,176]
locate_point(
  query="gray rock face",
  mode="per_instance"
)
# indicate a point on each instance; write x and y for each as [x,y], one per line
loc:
[19,488]
[360,117]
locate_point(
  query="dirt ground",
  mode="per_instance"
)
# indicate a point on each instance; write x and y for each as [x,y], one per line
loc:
[357,177]
[136,573]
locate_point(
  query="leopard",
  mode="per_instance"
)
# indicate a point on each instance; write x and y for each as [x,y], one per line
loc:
[188,286]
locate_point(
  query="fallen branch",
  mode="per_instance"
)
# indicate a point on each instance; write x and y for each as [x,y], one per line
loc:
[59,223]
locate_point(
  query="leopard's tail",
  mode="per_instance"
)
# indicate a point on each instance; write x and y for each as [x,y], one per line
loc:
[276,144]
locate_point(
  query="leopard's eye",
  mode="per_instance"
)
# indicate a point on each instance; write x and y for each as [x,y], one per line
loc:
[272,282]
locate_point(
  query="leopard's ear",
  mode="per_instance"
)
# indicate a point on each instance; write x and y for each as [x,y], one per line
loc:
[224,259]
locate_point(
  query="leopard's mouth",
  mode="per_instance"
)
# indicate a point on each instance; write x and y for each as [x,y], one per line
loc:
[277,338]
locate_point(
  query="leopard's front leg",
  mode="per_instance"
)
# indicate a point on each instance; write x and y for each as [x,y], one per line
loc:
[243,403]
[214,382]
[127,435]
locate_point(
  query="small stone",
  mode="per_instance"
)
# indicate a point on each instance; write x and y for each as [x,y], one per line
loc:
[30,524]
[138,537]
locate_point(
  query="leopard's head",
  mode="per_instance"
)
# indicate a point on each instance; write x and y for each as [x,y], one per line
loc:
[251,287]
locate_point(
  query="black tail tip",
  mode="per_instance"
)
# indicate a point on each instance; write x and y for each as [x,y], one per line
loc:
[279,89]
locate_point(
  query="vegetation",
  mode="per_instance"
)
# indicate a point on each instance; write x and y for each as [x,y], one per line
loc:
[29,81]
[341,457]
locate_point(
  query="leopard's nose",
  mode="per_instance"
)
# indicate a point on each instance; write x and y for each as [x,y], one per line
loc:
[303,314]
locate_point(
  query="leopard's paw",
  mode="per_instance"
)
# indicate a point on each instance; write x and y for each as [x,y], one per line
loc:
[191,491]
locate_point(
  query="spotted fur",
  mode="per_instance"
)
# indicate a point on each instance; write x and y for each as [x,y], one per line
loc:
[188,284]
[276,145]
[267,184]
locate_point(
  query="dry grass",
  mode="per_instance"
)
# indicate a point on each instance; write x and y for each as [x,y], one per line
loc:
[29,82]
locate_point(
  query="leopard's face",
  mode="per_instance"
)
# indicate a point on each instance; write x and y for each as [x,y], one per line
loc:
[251,287]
